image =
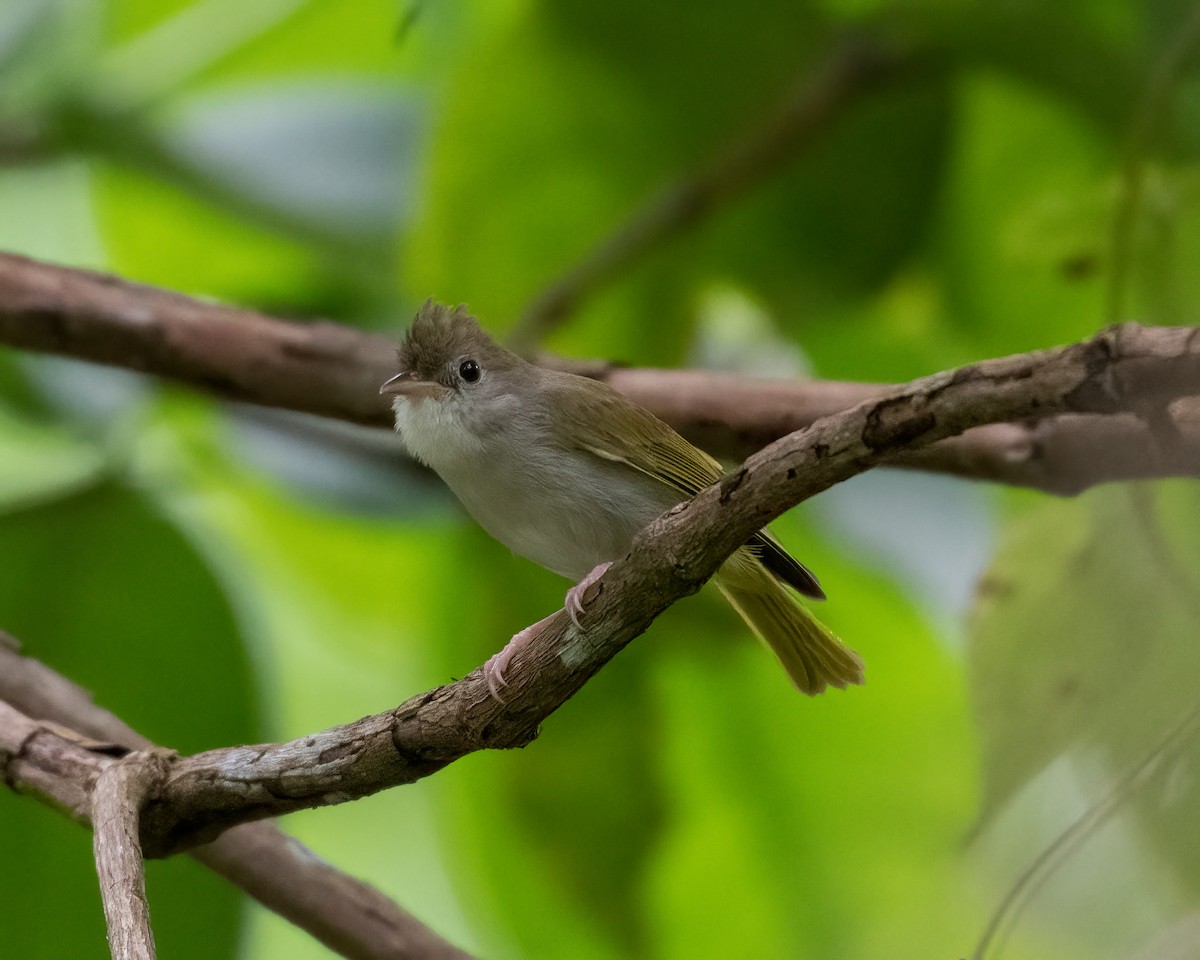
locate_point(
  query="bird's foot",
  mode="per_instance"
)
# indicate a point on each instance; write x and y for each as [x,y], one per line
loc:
[493,670]
[577,595]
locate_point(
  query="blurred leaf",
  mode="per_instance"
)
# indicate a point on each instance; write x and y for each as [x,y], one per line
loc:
[102,589]
[40,462]
[619,115]
[328,39]
[1084,634]
[340,157]
[844,217]
[251,180]
[492,231]
[20,23]
[46,47]
[1021,161]
[702,71]
[47,214]
[775,788]
[1162,279]
[127,19]
[163,44]
[1052,50]
[159,234]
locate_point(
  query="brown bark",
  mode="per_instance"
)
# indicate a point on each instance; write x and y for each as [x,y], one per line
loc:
[117,797]
[335,371]
[350,917]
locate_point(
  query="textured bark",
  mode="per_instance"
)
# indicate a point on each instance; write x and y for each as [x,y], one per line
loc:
[350,917]
[117,797]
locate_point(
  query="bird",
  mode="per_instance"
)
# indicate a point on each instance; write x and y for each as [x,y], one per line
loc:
[565,471]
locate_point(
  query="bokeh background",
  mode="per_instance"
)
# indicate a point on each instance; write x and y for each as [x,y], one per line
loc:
[218,574]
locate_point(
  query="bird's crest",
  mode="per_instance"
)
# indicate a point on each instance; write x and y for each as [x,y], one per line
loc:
[440,334]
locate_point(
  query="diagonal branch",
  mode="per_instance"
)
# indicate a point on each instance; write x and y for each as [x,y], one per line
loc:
[334,371]
[350,917]
[209,792]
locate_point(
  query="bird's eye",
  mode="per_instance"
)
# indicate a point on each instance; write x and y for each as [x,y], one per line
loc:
[469,371]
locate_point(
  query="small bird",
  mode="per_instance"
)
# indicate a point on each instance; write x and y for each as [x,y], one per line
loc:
[565,471]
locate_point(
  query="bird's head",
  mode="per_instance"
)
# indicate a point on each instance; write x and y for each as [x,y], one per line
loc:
[446,355]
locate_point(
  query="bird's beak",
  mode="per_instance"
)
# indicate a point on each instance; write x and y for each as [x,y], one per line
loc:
[408,384]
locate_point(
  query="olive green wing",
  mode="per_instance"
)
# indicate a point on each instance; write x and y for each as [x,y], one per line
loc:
[596,419]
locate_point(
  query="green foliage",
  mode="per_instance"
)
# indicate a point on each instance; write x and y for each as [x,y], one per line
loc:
[1029,176]
[1084,644]
[99,586]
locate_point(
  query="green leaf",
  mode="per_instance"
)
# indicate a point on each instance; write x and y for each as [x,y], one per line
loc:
[41,462]
[1023,205]
[105,591]
[1083,641]
[21,22]
[839,221]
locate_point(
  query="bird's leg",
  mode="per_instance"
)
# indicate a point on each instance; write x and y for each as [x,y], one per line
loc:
[577,595]
[573,603]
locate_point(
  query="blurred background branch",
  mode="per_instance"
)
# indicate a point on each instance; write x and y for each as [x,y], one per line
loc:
[350,917]
[334,371]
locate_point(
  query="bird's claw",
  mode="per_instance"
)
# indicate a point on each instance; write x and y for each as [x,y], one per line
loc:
[493,670]
[577,595]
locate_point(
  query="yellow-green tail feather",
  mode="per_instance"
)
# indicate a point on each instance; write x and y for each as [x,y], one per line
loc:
[810,652]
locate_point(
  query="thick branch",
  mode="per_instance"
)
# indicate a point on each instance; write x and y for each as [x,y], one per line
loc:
[835,84]
[209,792]
[117,797]
[335,371]
[350,917]
[1064,454]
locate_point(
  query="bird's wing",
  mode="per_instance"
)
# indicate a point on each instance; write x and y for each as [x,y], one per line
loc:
[596,419]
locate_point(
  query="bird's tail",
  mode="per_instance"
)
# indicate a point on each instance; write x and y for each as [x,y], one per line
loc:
[810,652]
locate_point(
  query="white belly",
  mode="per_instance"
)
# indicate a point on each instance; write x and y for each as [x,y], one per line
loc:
[565,510]
[568,517]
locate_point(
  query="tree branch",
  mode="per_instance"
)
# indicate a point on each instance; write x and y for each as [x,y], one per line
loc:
[209,792]
[735,416]
[117,797]
[350,917]
[851,70]
[335,371]
[237,354]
